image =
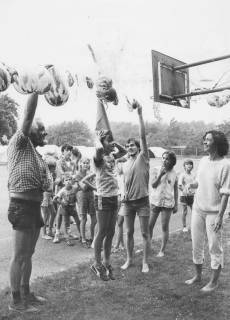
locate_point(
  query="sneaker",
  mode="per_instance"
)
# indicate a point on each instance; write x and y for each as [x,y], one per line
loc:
[56,238]
[21,307]
[109,272]
[32,299]
[85,244]
[50,234]
[46,237]
[73,236]
[185,229]
[100,272]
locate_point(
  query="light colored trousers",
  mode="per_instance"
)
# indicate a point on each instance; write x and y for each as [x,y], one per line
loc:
[202,223]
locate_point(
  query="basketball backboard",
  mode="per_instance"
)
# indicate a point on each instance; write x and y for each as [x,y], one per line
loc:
[168,82]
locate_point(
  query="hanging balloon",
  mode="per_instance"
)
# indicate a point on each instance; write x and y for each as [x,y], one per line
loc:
[12,71]
[5,78]
[214,100]
[89,82]
[108,96]
[58,93]
[104,84]
[70,79]
[37,80]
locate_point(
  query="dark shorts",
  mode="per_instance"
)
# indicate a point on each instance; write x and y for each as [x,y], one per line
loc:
[187,200]
[25,214]
[85,203]
[106,203]
[68,211]
[156,209]
[141,207]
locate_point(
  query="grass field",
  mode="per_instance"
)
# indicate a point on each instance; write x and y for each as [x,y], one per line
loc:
[160,294]
[77,294]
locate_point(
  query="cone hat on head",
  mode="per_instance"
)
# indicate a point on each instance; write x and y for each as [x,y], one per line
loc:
[102,121]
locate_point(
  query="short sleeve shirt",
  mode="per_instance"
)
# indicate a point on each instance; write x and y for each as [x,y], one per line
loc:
[27,169]
[69,196]
[183,181]
[163,194]
[136,177]
[106,180]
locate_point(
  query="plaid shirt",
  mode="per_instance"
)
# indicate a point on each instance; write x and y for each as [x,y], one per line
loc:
[27,169]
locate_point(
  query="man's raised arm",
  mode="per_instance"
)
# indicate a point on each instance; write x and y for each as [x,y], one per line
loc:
[29,113]
[142,134]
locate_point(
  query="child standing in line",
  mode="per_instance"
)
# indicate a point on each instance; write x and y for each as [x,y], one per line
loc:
[186,194]
[85,200]
[66,198]
[164,196]
[47,207]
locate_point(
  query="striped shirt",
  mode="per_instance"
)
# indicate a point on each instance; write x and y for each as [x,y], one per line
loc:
[27,169]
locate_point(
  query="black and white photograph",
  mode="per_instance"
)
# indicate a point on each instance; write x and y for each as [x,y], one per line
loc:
[114,160]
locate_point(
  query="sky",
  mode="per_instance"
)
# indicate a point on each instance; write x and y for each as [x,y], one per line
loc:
[122,34]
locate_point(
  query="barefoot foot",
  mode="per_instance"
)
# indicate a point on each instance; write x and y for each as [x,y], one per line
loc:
[195,279]
[145,268]
[126,265]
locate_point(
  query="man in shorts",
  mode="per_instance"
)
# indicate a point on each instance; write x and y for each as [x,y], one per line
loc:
[29,177]
[136,194]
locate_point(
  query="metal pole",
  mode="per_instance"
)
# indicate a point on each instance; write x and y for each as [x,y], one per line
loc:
[197,93]
[184,66]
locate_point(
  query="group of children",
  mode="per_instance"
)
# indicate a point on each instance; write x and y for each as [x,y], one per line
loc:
[71,197]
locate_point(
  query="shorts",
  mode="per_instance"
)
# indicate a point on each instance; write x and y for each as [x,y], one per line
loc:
[106,203]
[85,201]
[68,211]
[140,207]
[187,200]
[156,209]
[25,214]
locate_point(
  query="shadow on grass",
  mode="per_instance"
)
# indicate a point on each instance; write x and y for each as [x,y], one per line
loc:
[77,294]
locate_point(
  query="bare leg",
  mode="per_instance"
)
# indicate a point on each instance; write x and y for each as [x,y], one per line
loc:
[102,222]
[120,238]
[154,213]
[92,225]
[109,237]
[144,225]
[129,220]
[45,215]
[184,215]
[212,284]
[82,226]
[197,277]
[165,218]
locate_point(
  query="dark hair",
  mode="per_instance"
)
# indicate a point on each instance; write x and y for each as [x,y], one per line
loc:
[66,147]
[172,158]
[220,142]
[137,143]
[188,161]
[76,152]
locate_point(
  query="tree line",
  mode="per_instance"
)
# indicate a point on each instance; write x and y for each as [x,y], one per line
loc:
[158,133]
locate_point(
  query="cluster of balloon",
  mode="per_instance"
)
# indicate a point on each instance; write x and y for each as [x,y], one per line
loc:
[105,90]
[58,93]
[5,77]
[32,80]
[219,101]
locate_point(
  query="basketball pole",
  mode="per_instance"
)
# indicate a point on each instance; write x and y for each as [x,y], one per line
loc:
[194,64]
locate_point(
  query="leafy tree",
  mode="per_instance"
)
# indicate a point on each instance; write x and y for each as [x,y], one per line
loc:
[74,133]
[8,118]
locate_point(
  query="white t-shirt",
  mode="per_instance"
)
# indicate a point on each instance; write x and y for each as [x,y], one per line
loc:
[213,177]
